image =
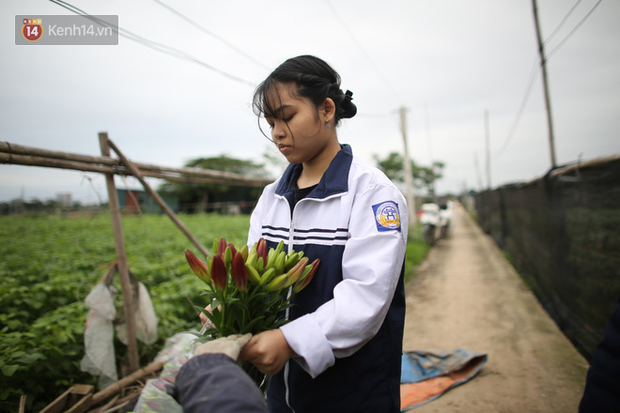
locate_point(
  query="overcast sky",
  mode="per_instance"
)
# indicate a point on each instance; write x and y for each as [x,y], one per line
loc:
[446,61]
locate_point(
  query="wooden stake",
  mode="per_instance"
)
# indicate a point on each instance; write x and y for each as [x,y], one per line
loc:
[136,172]
[121,257]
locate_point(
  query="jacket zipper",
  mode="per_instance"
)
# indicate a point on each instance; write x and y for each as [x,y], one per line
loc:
[286,314]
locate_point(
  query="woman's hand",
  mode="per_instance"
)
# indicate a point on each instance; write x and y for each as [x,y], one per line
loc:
[204,319]
[268,351]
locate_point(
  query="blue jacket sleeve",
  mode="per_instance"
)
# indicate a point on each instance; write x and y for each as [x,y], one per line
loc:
[214,383]
[602,391]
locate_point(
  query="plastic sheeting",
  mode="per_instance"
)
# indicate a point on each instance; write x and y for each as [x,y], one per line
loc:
[154,397]
[426,375]
[146,320]
[99,359]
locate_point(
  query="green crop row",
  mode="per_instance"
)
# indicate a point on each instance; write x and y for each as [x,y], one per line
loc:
[50,263]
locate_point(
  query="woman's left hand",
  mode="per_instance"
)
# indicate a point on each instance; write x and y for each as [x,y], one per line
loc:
[268,351]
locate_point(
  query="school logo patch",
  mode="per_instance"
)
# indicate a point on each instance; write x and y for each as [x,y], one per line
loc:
[387,216]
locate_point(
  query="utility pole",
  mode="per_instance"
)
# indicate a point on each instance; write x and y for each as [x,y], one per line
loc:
[543,65]
[488,150]
[408,173]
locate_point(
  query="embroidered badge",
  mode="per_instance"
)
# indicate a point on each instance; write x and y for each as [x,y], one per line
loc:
[387,216]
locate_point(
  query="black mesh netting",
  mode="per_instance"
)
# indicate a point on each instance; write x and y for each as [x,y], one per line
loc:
[562,234]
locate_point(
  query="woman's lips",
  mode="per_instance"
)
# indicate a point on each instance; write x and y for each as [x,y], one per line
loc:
[285,148]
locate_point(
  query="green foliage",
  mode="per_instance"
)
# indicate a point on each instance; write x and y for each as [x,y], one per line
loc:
[199,197]
[50,263]
[423,176]
[417,249]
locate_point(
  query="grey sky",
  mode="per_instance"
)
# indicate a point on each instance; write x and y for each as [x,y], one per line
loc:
[446,61]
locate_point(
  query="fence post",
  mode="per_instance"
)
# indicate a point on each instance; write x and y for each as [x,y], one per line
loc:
[121,257]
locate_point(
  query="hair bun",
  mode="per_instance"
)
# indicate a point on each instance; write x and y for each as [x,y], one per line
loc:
[349,109]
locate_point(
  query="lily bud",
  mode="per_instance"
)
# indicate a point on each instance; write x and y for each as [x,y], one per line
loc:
[218,272]
[303,283]
[267,276]
[294,273]
[228,255]
[198,266]
[252,273]
[232,247]
[244,252]
[221,247]
[277,283]
[261,251]
[239,272]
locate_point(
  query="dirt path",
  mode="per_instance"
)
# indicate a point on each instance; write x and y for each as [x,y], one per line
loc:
[468,296]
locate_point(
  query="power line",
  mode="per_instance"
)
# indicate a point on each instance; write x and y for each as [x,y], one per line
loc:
[528,90]
[210,33]
[532,78]
[562,22]
[359,45]
[568,36]
[162,48]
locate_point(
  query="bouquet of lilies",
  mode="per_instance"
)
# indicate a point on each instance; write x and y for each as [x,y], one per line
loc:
[248,289]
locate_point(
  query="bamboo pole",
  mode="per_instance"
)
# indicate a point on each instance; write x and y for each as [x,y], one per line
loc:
[26,155]
[136,172]
[126,381]
[121,257]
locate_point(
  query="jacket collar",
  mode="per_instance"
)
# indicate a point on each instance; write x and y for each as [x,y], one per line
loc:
[334,181]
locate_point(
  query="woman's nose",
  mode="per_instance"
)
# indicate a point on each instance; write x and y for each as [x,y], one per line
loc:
[279,130]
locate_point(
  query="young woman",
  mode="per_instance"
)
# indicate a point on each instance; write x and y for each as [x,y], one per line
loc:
[341,351]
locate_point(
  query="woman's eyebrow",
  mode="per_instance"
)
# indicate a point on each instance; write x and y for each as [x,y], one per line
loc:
[279,109]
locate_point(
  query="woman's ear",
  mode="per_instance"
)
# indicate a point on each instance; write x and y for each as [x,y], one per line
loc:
[329,109]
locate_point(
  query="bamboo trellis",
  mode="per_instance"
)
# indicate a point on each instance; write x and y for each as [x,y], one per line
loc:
[11,153]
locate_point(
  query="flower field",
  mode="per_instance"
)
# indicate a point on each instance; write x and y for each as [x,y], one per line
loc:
[50,263]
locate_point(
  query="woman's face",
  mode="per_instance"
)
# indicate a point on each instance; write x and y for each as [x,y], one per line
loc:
[297,127]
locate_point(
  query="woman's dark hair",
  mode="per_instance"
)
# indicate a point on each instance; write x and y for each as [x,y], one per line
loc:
[315,80]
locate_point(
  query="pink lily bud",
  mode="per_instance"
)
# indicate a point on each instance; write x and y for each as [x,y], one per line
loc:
[221,248]
[295,272]
[198,266]
[303,283]
[239,272]
[218,272]
[261,250]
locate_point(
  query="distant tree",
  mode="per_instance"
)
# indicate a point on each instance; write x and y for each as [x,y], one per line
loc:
[423,176]
[200,197]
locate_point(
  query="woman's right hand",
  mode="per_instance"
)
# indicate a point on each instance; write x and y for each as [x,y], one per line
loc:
[204,319]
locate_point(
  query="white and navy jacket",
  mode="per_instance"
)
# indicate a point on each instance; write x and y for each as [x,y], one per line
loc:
[347,324]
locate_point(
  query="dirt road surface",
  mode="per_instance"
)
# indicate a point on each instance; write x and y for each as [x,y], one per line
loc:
[468,296]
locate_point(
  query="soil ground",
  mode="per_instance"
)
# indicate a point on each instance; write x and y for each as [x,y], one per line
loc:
[468,296]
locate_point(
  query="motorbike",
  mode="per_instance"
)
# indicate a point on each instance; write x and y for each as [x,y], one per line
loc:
[429,218]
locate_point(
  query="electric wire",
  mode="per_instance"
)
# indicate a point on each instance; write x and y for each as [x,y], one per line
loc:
[162,48]
[537,63]
[564,20]
[359,45]
[569,35]
[210,33]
